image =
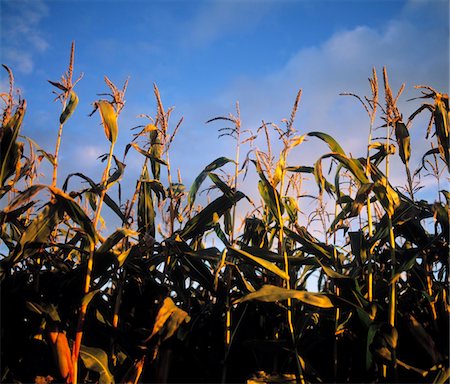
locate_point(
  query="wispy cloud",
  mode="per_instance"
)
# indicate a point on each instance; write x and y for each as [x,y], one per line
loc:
[21,37]
[218,18]
[342,63]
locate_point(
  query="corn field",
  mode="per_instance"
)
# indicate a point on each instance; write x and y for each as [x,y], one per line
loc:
[181,292]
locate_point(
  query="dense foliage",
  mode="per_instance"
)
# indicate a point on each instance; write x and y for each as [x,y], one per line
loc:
[155,301]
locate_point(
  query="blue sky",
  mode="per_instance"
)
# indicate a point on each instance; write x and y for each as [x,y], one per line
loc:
[206,55]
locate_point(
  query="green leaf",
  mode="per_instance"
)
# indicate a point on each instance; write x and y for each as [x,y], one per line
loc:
[332,143]
[204,220]
[271,293]
[149,155]
[70,107]
[96,360]
[114,238]
[384,192]
[260,262]
[117,174]
[36,234]
[310,244]
[219,162]
[75,212]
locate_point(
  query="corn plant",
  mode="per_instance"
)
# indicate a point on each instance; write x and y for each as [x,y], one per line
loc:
[183,292]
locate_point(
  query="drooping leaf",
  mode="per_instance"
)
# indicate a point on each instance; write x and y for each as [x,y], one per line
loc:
[36,234]
[118,235]
[109,119]
[168,319]
[219,162]
[76,213]
[310,244]
[117,174]
[259,262]
[149,155]
[204,220]
[271,293]
[332,143]
[386,195]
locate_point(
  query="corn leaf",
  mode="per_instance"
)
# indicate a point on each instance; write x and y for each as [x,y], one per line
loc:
[260,262]
[271,293]
[219,162]
[118,235]
[204,220]
[149,155]
[384,192]
[332,143]
[96,360]
[109,120]
[168,319]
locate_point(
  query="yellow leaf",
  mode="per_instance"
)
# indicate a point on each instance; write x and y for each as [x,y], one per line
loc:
[169,318]
[109,120]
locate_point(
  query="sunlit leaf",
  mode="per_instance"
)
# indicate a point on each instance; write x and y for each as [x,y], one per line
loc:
[271,293]
[260,262]
[109,119]
[96,360]
[332,143]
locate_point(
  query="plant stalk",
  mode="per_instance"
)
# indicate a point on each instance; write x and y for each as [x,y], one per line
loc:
[87,284]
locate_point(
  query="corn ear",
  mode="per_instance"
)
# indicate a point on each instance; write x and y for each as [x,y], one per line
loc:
[441,121]
[403,141]
[70,107]
[62,354]
[10,149]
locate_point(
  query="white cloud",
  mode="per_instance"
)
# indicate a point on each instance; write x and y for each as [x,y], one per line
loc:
[21,37]
[19,60]
[342,63]
[218,18]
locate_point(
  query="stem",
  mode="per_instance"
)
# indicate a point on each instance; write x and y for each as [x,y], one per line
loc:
[55,156]
[393,285]
[282,250]
[171,209]
[228,271]
[87,283]
[370,224]
[338,310]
